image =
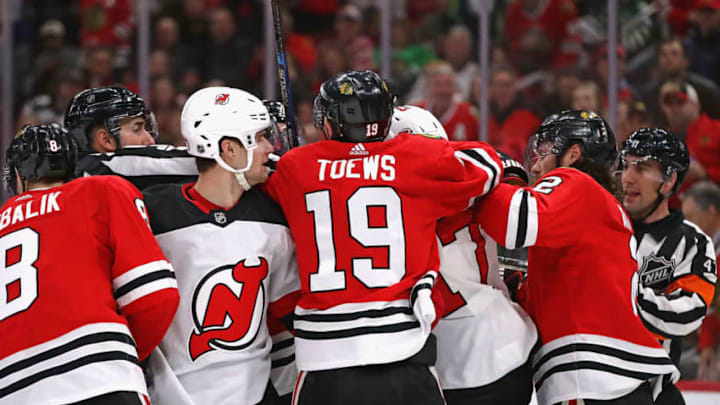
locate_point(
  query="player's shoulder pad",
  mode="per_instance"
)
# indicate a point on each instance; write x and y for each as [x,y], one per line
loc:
[162,195]
[92,164]
[264,208]
[109,181]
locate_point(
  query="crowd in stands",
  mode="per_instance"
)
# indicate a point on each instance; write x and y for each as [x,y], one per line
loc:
[546,56]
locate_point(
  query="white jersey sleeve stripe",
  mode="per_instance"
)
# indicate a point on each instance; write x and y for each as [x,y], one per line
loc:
[512,227]
[146,289]
[476,159]
[522,227]
[143,280]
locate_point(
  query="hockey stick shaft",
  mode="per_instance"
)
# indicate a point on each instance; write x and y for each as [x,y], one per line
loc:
[283,75]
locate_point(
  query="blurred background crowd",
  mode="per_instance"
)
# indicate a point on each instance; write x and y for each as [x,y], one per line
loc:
[546,56]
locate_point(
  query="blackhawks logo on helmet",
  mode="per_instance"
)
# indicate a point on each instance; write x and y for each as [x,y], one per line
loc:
[346,89]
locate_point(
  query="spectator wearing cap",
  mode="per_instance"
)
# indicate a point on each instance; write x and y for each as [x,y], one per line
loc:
[511,122]
[703,43]
[701,206]
[459,118]
[681,107]
[40,64]
[672,64]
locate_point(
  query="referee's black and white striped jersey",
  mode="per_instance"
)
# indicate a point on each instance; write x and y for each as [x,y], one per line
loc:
[143,166]
[677,268]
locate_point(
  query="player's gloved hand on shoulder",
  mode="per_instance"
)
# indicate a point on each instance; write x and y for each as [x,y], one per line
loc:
[513,171]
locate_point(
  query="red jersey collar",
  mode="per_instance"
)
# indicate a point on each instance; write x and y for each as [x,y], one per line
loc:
[198,200]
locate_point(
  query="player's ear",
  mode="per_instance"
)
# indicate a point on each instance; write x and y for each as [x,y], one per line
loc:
[572,155]
[102,141]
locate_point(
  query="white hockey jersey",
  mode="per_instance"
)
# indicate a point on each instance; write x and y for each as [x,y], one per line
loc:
[232,267]
[485,335]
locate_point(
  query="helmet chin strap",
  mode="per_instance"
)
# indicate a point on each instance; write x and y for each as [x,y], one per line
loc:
[657,202]
[240,177]
[239,173]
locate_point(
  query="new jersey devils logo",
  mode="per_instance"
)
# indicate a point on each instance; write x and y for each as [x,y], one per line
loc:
[222,98]
[227,308]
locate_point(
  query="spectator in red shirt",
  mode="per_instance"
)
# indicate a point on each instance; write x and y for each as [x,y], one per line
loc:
[301,47]
[701,205]
[511,123]
[459,118]
[106,22]
[537,31]
[680,105]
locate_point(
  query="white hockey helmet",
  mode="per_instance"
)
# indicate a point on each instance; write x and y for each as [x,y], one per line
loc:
[214,113]
[415,120]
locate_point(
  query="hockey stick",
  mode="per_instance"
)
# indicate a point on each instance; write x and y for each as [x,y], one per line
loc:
[284,76]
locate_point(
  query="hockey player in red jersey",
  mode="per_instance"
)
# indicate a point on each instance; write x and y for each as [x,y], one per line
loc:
[582,272]
[233,253]
[85,291]
[484,341]
[676,259]
[363,214]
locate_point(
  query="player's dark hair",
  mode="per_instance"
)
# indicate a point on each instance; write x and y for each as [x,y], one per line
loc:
[600,173]
[203,164]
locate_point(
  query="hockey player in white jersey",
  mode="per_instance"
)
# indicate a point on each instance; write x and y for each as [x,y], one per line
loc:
[676,259]
[234,255]
[485,340]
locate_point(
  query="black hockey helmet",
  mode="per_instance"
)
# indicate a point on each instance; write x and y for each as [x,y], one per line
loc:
[659,145]
[358,106]
[40,152]
[105,106]
[585,128]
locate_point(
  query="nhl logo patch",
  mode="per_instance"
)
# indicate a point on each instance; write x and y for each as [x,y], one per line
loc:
[656,271]
[220,217]
[222,98]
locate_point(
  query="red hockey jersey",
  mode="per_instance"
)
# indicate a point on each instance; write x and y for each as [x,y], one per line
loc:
[82,282]
[583,284]
[363,217]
